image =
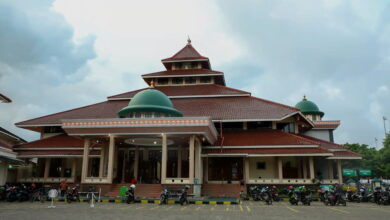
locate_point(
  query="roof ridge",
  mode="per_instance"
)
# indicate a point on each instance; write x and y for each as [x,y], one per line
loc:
[275,103]
[137,90]
[233,89]
[19,123]
[186,46]
[298,136]
[45,138]
[320,140]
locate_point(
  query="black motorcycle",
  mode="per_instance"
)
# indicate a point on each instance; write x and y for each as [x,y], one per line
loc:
[11,194]
[266,195]
[23,194]
[293,196]
[183,196]
[164,196]
[254,193]
[305,197]
[330,198]
[384,198]
[275,195]
[3,193]
[72,195]
[130,194]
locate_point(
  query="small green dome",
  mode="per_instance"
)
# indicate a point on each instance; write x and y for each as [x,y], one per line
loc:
[308,107]
[150,100]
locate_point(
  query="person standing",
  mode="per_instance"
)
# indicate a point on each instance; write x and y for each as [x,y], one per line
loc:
[63,187]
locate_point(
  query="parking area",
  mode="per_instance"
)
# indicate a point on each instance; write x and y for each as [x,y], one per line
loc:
[247,210]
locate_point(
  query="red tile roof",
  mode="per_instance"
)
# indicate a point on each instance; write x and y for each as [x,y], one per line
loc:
[27,153]
[58,141]
[193,90]
[182,72]
[266,136]
[187,53]
[326,124]
[325,144]
[222,108]
[265,151]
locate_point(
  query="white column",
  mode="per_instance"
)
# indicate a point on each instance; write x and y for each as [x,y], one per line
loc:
[339,171]
[111,149]
[280,169]
[164,158]
[47,169]
[84,169]
[330,169]
[179,154]
[191,159]
[101,164]
[246,169]
[136,162]
[311,167]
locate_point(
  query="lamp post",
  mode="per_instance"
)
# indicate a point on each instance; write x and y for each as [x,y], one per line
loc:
[384,125]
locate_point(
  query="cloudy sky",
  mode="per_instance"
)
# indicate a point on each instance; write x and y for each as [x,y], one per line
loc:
[58,55]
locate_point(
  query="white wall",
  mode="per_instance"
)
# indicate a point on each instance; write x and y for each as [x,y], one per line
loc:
[270,172]
[320,134]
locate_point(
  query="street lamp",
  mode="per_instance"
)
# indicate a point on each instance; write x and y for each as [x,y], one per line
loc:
[384,124]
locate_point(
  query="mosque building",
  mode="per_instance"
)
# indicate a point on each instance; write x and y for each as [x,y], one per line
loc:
[185,128]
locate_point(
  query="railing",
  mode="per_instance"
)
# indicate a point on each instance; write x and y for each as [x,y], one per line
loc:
[277,181]
[330,181]
[96,180]
[177,181]
[46,180]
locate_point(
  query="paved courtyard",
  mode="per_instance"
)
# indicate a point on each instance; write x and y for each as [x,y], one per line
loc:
[248,210]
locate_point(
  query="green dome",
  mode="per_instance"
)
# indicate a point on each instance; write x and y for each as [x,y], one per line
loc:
[150,100]
[308,107]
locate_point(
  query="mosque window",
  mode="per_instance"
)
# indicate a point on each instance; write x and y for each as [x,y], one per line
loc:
[205,79]
[148,114]
[177,80]
[190,80]
[162,81]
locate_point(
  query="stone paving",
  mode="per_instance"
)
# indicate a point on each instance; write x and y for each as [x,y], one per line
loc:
[247,210]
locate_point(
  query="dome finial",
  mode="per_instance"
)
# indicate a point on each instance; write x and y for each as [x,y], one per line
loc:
[188,40]
[152,84]
[304,97]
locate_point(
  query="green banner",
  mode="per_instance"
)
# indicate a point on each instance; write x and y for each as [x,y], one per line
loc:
[349,172]
[365,172]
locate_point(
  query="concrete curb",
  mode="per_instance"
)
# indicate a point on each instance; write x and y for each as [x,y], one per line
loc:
[155,201]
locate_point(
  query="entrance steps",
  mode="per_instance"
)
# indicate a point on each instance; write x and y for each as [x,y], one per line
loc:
[221,190]
[141,191]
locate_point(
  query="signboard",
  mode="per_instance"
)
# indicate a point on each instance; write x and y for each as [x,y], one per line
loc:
[52,193]
[365,172]
[349,172]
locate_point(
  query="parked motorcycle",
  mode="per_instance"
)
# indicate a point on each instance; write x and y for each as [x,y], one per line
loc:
[275,194]
[384,198]
[164,196]
[293,196]
[72,195]
[23,193]
[130,194]
[266,195]
[183,196]
[305,196]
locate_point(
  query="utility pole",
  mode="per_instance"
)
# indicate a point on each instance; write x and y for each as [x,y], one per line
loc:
[384,125]
[376,143]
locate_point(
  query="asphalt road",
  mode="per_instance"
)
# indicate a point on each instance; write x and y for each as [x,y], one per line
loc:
[247,210]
